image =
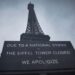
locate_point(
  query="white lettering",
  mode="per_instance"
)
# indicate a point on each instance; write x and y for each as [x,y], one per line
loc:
[25,62]
[11,45]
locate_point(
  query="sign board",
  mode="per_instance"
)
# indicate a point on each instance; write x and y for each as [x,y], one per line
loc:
[21,55]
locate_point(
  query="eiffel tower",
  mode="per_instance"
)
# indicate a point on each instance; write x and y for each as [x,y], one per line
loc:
[35,54]
[33,30]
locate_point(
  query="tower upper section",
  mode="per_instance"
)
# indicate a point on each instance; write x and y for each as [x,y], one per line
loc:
[30,6]
[33,26]
[33,30]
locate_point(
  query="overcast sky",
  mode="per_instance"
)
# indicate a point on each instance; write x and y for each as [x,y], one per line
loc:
[56,17]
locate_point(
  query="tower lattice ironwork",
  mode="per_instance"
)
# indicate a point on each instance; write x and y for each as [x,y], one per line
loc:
[33,30]
[33,26]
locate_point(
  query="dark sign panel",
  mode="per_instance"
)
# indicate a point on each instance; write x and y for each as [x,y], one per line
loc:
[34,56]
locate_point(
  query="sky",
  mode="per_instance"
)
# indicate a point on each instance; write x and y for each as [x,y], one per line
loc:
[56,17]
